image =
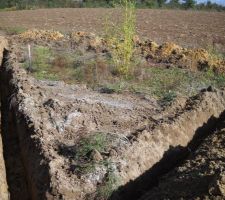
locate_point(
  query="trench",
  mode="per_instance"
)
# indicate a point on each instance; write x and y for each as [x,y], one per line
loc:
[26,171]
[172,158]
[28,180]
[15,170]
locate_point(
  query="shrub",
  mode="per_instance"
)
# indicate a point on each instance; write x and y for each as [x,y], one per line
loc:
[121,41]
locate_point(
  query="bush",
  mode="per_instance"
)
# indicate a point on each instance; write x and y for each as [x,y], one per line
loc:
[189,4]
[121,41]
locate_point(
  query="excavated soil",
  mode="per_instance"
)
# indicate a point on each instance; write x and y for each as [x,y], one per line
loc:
[201,176]
[69,142]
[44,122]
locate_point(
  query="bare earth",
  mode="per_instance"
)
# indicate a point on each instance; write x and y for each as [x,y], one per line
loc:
[70,142]
[186,28]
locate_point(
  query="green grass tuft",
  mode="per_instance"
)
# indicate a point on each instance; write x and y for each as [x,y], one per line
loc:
[14,30]
[97,141]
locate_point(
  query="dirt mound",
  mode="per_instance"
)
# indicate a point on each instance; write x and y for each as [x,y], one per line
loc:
[89,41]
[172,54]
[41,35]
[167,49]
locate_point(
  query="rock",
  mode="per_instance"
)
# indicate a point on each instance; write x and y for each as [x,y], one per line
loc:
[210,89]
[106,90]
[113,153]
[96,155]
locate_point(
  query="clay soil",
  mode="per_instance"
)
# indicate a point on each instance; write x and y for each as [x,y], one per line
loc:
[201,176]
[186,28]
[79,143]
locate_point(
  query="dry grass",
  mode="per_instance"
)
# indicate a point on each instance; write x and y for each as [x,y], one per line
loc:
[41,35]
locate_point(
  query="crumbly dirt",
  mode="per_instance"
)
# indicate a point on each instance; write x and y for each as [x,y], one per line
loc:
[53,118]
[201,176]
[186,28]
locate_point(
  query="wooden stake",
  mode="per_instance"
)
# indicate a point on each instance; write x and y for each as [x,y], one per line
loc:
[29,58]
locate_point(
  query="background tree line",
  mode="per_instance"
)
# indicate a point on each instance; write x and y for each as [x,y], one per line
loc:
[183,4]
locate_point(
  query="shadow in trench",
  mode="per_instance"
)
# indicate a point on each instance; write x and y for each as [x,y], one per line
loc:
[134,189]
[14,166]
[26,168]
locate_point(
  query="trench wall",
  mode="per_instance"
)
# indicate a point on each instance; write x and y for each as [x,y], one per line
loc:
[4,194]
[156,151]
[26,169]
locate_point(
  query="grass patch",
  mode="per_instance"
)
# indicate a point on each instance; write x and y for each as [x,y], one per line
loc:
[41,64]
[14,30]
[97,141]
[86,146]
[165,84]
[214,53]
[13,8]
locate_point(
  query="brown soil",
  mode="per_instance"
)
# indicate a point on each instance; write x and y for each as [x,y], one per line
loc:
[186,28]
[48,120]
[45,123]
[201,176]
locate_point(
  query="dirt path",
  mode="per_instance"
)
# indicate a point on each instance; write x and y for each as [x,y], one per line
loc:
[187,28]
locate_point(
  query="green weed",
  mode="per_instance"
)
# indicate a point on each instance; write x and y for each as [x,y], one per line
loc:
[41,65]
[116,87]
[214,53]
[97,141]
